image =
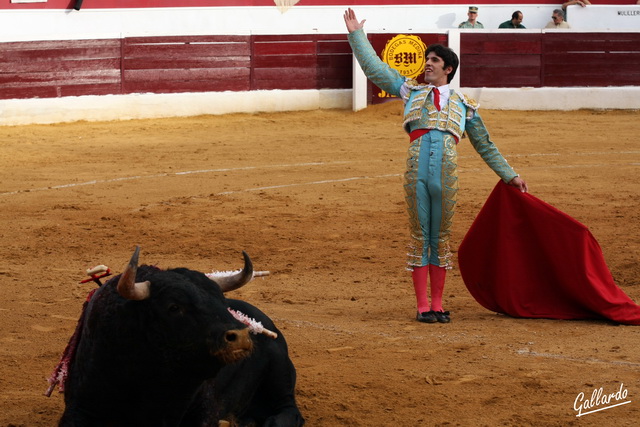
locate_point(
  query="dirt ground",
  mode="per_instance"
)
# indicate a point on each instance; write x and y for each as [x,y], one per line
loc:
[316,198]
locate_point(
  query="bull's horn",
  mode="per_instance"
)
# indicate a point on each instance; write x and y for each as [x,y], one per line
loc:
[127,286]
[239,279]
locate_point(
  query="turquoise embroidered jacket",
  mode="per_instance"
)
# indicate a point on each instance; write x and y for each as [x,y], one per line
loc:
[460,115]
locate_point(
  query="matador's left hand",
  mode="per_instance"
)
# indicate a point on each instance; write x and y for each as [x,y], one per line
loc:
[520,184]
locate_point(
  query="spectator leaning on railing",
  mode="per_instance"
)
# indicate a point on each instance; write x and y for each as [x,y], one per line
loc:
[581,3]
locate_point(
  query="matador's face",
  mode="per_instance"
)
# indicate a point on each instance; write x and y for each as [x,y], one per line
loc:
[434,70]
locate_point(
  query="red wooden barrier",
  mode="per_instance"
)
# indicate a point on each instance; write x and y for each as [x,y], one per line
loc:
[301,62]
[334,63]
[591,59]
[493,60]
[564,59]
[186,64]
[282,63]
[48,69]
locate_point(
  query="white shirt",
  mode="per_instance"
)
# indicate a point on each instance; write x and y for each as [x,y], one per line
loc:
[445,92]
[444,95]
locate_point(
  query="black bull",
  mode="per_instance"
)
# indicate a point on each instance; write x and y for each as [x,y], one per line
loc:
[160,348]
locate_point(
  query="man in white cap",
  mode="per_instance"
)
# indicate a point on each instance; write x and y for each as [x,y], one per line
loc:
[472,21]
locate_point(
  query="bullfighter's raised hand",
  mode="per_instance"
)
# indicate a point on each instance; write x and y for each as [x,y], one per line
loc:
[351,20]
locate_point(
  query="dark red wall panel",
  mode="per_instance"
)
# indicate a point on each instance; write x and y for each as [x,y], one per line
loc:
[591,59]
[47,69]
[301,62]
[550,59]
[186,64]
[496,60]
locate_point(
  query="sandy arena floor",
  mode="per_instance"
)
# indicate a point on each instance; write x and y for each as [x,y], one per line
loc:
[316,198]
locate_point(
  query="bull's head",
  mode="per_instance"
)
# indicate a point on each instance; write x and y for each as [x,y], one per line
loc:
[128,288]
[235,343]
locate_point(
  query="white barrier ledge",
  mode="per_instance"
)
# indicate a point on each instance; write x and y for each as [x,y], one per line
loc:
[149,106]
[554,98]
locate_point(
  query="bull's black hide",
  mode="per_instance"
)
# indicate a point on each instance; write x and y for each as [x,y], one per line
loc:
[176,357]
[258,390]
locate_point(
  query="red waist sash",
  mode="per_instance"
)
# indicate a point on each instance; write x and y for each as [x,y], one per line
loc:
[417,133]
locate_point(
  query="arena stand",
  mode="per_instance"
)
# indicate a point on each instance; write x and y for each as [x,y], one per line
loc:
[104,62]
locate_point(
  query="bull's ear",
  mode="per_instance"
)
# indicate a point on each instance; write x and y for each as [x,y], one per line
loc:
[127,286]
[239,279]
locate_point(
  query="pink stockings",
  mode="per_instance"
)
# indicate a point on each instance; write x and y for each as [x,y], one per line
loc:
[437,276]
[419,276]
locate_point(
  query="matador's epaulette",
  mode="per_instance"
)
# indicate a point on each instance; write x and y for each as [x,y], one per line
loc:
[412,83]
[470,102]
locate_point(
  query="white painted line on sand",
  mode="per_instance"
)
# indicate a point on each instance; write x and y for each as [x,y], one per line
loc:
[280,166]
[161,175]
[328,181]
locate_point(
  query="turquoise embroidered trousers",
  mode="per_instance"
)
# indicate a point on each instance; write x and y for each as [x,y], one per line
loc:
[431,187]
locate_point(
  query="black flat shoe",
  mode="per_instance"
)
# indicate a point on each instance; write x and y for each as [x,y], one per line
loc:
[441,316]
[426,317]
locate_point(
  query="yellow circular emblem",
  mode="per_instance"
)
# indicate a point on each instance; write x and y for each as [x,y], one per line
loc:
[405,53]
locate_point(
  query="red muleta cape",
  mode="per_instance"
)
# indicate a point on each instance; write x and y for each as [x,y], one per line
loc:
[525,258]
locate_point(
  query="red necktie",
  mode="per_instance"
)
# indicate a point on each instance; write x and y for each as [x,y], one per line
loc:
[436,98]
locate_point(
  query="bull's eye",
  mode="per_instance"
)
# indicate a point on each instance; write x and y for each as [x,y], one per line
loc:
[174,309]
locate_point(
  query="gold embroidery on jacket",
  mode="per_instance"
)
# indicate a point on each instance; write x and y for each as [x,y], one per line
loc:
[450,119]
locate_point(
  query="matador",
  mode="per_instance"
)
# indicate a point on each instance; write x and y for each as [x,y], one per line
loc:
[436,117]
